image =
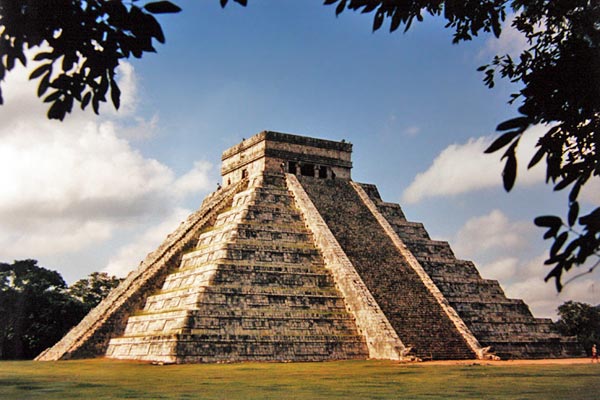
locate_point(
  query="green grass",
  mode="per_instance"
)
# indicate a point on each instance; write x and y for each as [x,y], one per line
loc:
[103,379]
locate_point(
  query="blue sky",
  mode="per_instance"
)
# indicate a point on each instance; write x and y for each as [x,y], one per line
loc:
[98,193]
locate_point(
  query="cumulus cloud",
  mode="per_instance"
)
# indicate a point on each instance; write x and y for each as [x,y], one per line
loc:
[493,231]
[542,297]
[68,185]
[194,180]
[462,168]
[590,193]
[129,256]
[502,249]
[511,41]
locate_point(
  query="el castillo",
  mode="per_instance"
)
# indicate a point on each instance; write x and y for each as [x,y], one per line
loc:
[291,260]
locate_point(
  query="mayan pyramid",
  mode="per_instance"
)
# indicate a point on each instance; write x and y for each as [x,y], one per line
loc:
[293,261]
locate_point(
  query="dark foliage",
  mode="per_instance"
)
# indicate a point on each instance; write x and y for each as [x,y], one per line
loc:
[559,74]
[85,41]
[37,308]
[581,320]
[92,290]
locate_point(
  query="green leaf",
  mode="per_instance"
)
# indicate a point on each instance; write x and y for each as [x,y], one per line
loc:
[502,141]
[40,70]
[558,243]
[115,93]
[575,191]
[509,174]
[57,110]
[340,7]
[536,157]
[52,96]
[520,122]
[378,19]
[566,182]
[44,56]
[548,221]
[162,7]
[573,213]
[86,100]
[396,20]
[44,84]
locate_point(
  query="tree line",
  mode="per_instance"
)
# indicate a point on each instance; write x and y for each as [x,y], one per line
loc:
[37,307]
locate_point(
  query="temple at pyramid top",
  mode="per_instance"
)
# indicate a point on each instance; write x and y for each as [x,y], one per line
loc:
[282,152]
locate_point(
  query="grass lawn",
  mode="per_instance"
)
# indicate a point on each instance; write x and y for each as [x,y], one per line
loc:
[104,379]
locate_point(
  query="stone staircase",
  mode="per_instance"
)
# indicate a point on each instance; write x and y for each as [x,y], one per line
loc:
[506,325]
[411,309]
[91,336]
[255,288]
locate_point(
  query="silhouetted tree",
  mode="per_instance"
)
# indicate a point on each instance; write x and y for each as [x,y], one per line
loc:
[35,309]
[559,73]
[581,320]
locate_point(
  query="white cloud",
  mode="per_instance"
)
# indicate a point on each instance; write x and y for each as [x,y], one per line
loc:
[462,168]
[412,131]
[69,185]
[129,256]
[511,41]
[590,193]
[195,180]
[501,269]
[542,297]
[502,250]
[491,232]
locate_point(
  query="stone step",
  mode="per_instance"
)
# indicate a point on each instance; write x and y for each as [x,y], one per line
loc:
[273,278]
[267,325]
[170,322]
[250,275]
[407,230]
[439,267]
[271,214]
[193,321]
[477,288]
[471,307]
[189,297]
[315,267]
[425,247]
[391,210]
[226,348]
[268,233]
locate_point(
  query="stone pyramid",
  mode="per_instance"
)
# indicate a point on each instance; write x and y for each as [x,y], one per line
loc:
[293,261]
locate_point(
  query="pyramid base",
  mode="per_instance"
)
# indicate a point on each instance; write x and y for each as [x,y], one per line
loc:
[187,348]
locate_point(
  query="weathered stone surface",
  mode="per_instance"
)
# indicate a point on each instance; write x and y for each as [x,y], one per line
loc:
[292,261]
[255,288]
[506,325]
[411,308]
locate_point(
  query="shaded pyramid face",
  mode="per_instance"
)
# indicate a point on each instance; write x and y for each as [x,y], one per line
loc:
[254,288]
[293,261]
